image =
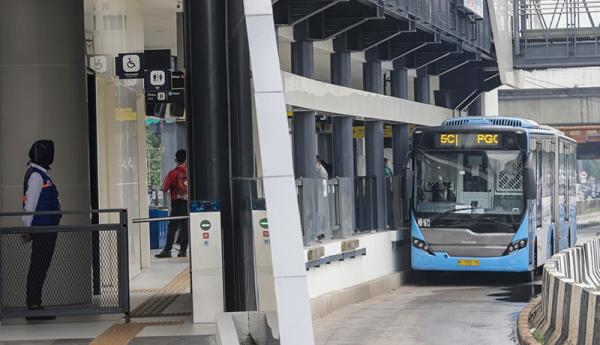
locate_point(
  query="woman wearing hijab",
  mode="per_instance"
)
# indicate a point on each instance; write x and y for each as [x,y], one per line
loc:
[39,194]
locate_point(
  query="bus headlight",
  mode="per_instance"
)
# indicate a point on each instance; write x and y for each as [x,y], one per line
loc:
[422,245]
[516,245]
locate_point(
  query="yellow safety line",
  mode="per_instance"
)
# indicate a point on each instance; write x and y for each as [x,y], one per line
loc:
[122,334]
[161,300]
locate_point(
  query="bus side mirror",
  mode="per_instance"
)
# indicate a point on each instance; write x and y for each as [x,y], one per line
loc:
[530,184]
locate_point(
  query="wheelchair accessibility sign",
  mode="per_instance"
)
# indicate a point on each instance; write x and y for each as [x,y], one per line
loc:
[130,66]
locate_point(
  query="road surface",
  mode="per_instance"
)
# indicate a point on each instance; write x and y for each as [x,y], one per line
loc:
[437,309]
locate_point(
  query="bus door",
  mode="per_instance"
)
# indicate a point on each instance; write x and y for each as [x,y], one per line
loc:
[562,216]
[541,236]
[548,168]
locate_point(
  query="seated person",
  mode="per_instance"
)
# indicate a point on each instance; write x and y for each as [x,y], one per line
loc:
[438,190]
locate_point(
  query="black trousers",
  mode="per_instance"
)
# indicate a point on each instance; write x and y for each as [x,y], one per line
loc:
[178,208]
[42,250]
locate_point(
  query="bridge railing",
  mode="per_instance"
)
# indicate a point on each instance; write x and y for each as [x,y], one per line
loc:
[556,33]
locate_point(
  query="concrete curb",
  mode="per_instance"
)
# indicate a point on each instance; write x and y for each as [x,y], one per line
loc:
[524,334]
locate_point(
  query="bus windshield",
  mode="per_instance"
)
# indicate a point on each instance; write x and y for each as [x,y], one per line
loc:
[457,183]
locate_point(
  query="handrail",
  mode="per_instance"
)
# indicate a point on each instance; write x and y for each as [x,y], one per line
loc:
[68,212]
[62,228]
[161,219]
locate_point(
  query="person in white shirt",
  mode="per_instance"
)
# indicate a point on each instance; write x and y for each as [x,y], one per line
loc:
[321,171]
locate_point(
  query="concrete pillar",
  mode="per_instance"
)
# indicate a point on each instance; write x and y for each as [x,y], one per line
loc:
[304,125]
[399,80]
[324,147]
[341,69]
[422,86]
[374,143]
[43,96]
[343,148]
[401,145]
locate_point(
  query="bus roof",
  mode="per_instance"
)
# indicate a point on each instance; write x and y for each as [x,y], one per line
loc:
[501,121]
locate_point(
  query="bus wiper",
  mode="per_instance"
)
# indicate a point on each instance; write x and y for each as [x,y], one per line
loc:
[492,219]
[452,211]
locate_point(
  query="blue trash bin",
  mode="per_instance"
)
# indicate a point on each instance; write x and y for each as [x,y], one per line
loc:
[158,230]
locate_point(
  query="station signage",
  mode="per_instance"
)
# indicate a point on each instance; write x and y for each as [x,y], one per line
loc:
[177,80]
[130,66]
[157,80]
[99,63]
[170,96]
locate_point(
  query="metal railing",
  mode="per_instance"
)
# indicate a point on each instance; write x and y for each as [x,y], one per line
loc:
[556,33]
[588,206]
[558,14]
[365,203]
[75,269]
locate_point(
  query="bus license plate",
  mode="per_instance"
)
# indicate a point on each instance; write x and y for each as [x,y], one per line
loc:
[468,262]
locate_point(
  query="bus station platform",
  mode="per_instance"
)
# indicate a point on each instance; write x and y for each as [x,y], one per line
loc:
[160,314]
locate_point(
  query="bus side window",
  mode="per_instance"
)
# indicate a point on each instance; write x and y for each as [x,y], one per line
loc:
[540,181]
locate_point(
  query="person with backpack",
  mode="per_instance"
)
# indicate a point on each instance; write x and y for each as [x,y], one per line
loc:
[39,195]
[176,184]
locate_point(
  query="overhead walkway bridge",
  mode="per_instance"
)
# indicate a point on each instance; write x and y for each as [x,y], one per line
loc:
[556,33]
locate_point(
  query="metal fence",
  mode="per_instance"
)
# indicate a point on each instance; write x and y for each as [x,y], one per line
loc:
[365,203]
[76,269]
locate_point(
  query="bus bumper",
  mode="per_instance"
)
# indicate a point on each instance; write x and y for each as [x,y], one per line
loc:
[515,262]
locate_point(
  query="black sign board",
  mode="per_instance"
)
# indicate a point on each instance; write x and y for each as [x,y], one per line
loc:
[172,96]
[177,80]
[157,80]
[130,66]
[157,59]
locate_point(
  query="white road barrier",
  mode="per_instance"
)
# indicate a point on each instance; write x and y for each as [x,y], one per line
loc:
[570,306]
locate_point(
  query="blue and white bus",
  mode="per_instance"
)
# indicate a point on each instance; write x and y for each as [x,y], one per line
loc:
[491,194]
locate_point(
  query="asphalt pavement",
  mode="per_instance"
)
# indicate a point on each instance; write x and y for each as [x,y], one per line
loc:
[444,308]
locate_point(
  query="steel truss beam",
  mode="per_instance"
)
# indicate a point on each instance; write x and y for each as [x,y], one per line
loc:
[292,12]
[403,45]
[340,18]
[372,33]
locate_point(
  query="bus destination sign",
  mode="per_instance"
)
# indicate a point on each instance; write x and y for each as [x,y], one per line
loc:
[468,140]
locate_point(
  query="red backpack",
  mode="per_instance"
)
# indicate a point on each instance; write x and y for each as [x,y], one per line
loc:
[180,185]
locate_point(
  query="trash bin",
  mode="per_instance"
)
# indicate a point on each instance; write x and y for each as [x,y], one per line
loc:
[158,230]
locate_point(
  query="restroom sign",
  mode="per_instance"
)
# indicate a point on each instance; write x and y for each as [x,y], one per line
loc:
[157,80]
[130,66]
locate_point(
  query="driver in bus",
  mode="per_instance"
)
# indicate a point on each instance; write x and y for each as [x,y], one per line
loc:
[438,190]
[442,191]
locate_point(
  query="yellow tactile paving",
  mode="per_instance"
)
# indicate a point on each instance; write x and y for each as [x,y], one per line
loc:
[123,334]
[120,334]
[163,297]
